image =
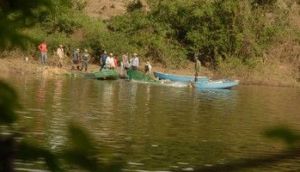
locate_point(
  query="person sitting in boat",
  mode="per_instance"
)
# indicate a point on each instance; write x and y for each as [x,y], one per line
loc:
[85,60]
[135,62]
[103,60]
[148,68]
[76,59]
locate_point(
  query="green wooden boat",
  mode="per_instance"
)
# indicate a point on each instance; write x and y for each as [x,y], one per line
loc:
[104,74]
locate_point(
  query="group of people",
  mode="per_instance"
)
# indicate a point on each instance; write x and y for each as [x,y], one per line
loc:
[80,60]
[77,57]
[111,62]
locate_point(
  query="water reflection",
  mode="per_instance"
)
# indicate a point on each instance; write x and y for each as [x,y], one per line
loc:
[157,127]
[56,134]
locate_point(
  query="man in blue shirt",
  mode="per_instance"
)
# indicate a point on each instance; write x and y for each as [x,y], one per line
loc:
[103,60]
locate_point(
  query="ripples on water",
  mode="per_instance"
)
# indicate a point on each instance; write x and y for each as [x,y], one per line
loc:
[159,127]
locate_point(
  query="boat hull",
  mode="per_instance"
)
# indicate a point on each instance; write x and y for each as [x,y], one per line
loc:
[178,78]
[219,84]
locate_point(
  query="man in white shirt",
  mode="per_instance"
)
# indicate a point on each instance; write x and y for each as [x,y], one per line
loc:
[60,53]
[135,62]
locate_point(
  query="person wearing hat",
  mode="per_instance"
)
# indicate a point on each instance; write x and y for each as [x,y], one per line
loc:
[60,53]
[109,61]
[85,60]
[76,59]
[135,62]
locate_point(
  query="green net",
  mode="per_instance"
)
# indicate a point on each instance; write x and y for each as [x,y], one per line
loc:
[106,74]
[137,75]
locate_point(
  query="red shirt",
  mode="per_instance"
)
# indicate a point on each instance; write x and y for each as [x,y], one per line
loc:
[43,47]
[116,61]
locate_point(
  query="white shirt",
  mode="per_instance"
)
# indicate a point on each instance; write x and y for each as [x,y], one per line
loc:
[60,52]
[135,62]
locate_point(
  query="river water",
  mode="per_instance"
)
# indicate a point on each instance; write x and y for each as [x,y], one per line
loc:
[159,127]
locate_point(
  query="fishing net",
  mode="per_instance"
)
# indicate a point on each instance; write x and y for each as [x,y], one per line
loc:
[137,75]
[106,74]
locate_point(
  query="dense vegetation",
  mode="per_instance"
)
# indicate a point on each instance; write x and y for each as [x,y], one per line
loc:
[169,33]
[225,34]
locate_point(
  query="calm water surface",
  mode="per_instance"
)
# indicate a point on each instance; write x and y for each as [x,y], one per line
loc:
[159,127]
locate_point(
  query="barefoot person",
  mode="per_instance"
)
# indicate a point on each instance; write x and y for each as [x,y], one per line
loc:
[43,50]
[60,53]
[85,60]
[148,68]
[76,59]
[197,67]
[135,62]
[103,60]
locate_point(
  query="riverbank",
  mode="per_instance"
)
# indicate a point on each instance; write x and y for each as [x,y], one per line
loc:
[270,75]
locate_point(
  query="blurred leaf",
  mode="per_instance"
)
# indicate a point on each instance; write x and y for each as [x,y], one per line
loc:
[31,152]
[80,139]
[16,15]
[290,137]
[81,159]
[8,103]
[82,151]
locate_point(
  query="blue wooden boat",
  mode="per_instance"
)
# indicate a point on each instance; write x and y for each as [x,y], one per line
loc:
[178,78]
[217,84]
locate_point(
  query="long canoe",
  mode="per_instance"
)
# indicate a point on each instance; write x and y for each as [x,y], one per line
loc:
[217,84]
[179,78]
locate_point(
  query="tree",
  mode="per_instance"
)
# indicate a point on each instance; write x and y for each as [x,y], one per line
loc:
[17,15]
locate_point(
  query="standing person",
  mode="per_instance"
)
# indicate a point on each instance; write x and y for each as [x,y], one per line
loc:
[103,60]
[116,61]
[135,62]
[148,68]
[61,54]
[43,50]
[124,65]
[76,59]
[85,60]
[125,62]
[197,67]
[109,61]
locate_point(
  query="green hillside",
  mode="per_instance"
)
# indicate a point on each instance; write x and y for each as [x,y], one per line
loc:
[246,38]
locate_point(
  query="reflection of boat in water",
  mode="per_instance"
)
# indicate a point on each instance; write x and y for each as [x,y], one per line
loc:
[217,84]
[180,78]
[104,74]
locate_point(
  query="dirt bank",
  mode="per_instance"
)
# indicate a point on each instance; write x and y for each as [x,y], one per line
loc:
[272,75]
